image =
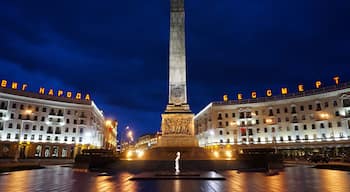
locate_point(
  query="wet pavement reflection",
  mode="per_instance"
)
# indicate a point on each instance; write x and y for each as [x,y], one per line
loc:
[56,178]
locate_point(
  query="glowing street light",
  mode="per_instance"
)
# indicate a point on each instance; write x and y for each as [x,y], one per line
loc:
[130,135]
[28,112]
[108,123]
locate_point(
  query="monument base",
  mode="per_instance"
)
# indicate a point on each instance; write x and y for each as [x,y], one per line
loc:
[177,141]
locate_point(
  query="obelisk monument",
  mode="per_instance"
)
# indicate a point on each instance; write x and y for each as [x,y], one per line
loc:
[177,120]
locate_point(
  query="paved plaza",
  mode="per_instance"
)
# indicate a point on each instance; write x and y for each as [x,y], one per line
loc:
[57,178]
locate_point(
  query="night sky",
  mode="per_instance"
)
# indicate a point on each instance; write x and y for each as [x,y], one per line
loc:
[118,50]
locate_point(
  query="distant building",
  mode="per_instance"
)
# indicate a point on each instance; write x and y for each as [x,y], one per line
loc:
[315,119]
[147,141]
[42,126]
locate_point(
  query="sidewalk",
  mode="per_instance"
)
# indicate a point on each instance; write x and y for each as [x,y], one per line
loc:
[333,165]
[7,165]
[302,162]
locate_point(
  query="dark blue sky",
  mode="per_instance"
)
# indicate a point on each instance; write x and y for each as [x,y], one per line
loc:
[118,50]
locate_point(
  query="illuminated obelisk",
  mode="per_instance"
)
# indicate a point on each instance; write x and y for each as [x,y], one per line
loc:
[177,120]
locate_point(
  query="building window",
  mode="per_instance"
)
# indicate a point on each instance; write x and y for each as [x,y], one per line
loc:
[281,138]
[21,106]
[259,140]
[322,125]
[241,115]
[233,115]
[74,130]
[337,113]
[324,136]
[42,118]
[250,131]
[226,115]
[221,141]
[228,141]
[34,127]
[285,110]
[56,138]
[81,130]
[67,121]
[65,138]
[257,122]
[48,138]
[58,130]
[310,107]
[75,121]
[270,112]
[318,107]
[294,110]
[335,103]
[305,127]
[8,136]
[19,116]
[326,104]
[296,128]
[226,123]
[49,130]
[10,125]
[220,124]
[287,119]
[67,129]
[339,123]
[227,133]
[18,126]
[297,137]
[306,137]
[302,108]
[330,125]
[265,130]
[256,112]
[220,132]
[219,117]
[272,129]
[248,115]
[17,136]
[14,105]
[82,122]
[73,139]
[41,128]
[258,130]
[40,137]
[303,117]
[12,116]
[289,138]
[313,126]
[44,109]
[32,137]
[277,110]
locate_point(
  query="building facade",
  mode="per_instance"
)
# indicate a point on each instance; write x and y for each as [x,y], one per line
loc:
[311,119]
[43,126]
